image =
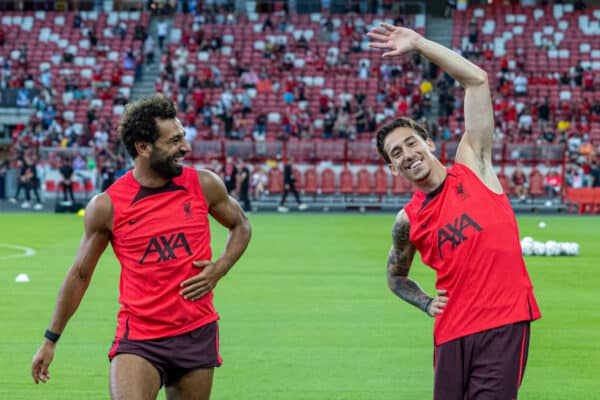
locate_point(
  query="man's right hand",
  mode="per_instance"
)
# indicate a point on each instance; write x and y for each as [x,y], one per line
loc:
[397,40]
[438,303]
[41,361]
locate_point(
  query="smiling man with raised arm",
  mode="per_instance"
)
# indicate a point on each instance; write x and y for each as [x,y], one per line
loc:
[463,226]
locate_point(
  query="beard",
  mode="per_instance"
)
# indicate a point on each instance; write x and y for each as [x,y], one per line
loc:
[164,164]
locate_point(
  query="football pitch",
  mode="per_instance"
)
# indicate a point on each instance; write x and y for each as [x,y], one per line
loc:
[305,315]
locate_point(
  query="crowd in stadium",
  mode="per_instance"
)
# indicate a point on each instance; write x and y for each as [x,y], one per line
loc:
[285,77]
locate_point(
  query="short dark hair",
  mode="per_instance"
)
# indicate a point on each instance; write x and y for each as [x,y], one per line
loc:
[138,123]
[400,122]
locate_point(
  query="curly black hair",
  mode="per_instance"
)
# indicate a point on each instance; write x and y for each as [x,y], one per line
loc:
[138,123]
[401,122]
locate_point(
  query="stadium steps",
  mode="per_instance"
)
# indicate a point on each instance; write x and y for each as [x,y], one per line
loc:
[146,86]
[439,30]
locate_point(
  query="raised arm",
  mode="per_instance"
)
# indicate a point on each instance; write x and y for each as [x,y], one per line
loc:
[398,265]
[475,148]
[228,213]
[98,223]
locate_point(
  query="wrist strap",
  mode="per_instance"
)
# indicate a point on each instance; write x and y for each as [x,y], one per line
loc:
[427,306]
[51,336]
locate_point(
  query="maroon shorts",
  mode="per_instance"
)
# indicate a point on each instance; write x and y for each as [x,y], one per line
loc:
[175,356]
[487,365]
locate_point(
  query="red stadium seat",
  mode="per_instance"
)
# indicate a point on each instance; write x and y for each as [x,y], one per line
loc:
[400,185]
[50,186]
[311,181]
[88,186]
[505,182]
[536,183]
[299,181]
[275,181]
[346,181]
[364,185]
[327,181]
[381,182]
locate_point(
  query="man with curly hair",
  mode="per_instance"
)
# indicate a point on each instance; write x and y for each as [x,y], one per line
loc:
[156,219]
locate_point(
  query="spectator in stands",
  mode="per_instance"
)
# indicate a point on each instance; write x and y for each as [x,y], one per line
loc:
[595,173]
[32,182]
[244,192]
[268,24]
[574,176]
[573,145]
[107,174]
[66,182]
[450,8]
[259,183]
[343,126]
[149,50]
[162,29]
[302,43]
[520,84]
[79,163]
[519,181]
[289,185]
[552,183]
[4,167]
[586,149]
[129,61]
[579,5]
[249,78]
[22,181]
[2,36]
[230,173]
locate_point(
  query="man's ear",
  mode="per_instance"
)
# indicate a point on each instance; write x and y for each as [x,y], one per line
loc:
[143,148]
[430,144]
[393,169]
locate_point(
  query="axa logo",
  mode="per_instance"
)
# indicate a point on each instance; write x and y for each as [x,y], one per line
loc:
[455,233]
[165,248]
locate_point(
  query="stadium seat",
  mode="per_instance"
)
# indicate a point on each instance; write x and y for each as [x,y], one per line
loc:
[505,182]
[346,181]
[50,186]
[536,183]
[364,184]
[381,182]
[311,181]
[327,181]
[275,181]
[580,200]
[299,180]
[400,185]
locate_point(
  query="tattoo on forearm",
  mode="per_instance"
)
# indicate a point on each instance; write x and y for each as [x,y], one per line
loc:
[399,262]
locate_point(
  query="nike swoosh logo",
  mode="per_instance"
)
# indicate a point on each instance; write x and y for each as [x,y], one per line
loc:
[424,224]
[133,221]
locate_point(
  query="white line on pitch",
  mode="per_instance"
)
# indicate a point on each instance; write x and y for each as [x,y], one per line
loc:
[26,251]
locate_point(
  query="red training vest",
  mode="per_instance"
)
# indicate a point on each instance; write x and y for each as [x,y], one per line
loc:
[156,235]
[469,236]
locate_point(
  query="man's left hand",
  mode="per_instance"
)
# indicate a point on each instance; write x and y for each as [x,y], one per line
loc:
[201,284]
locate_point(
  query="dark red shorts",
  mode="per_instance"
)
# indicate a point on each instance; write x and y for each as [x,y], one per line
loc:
[175,356]
[487,365]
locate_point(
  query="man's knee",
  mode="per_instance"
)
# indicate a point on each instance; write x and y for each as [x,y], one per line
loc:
[133,378]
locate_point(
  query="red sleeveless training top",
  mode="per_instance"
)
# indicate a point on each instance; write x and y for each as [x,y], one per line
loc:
[469,236]
[156,235]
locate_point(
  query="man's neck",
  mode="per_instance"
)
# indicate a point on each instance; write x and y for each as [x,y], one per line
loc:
[148,178]
[434,180]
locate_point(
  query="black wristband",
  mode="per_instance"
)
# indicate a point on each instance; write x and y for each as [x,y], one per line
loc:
[427,306]
[51,336]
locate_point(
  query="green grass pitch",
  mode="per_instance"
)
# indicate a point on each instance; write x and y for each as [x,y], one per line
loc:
[306,314]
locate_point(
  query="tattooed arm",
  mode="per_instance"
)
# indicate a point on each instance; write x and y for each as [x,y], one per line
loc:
[398,266]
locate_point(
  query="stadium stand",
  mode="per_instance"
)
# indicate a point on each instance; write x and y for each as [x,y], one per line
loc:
[263,87]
